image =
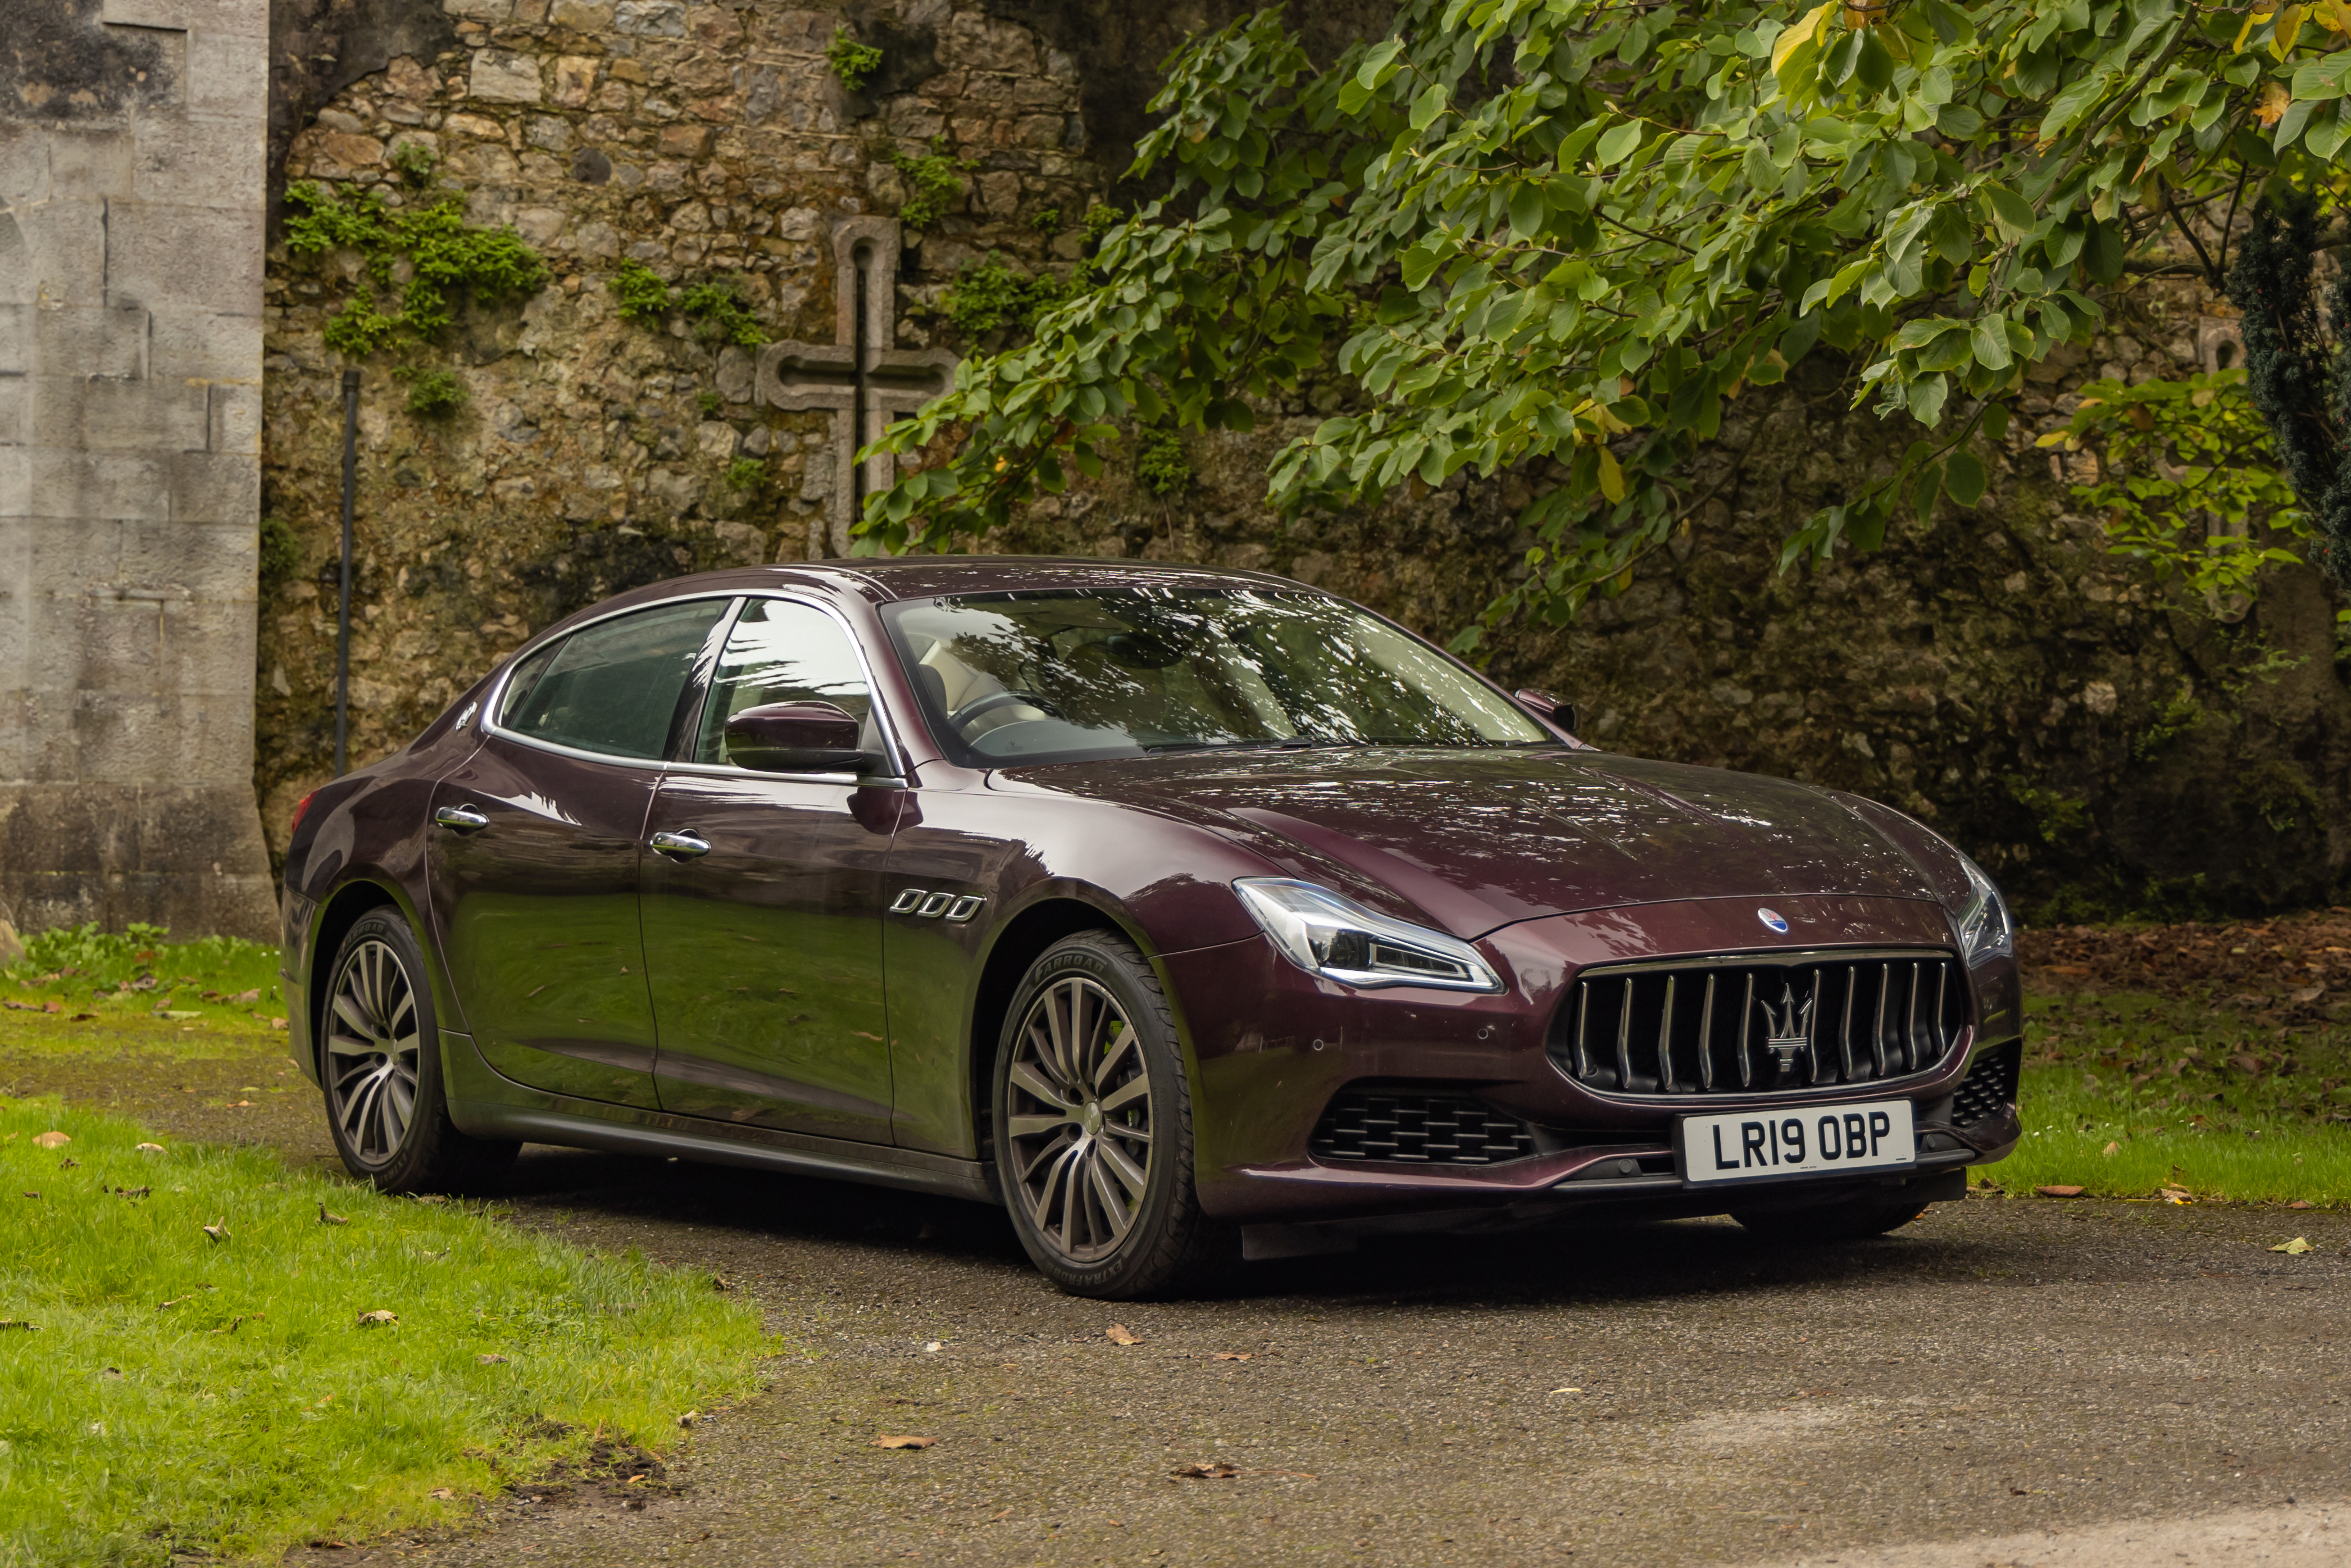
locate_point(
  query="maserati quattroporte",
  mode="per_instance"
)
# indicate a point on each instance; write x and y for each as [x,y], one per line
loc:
[1190,914]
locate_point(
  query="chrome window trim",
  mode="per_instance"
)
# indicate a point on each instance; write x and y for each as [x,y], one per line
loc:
[495,704]
[891,750]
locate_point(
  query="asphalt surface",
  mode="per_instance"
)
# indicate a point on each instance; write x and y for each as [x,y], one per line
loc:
[2060,1384]
[2019,1381]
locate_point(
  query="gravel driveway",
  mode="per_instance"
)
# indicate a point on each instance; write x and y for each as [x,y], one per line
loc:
[2005,1382]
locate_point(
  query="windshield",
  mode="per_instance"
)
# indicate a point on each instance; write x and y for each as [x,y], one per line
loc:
[1058,675]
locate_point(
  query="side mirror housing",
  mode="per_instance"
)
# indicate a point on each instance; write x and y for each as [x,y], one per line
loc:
[795,737]
[1561,713]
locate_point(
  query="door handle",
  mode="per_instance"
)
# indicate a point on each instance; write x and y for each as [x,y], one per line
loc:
[463,819]
[684,844]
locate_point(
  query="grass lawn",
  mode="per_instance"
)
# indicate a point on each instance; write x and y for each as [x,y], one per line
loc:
[2126,1094]
[164,1389]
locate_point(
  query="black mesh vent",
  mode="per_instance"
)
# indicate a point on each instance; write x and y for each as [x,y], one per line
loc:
[1417,1127]
[1989,1086]
[1758,1026]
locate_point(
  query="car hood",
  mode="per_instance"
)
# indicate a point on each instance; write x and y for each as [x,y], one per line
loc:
[1473,840]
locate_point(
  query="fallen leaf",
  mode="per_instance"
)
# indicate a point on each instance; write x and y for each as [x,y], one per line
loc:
[217,1231]
[491,1360]
[2300,1202]
[150,1148]
[277,1023]
[2245,1063]
[2058,1191]
[327,1219]
[112,1373]
[378,1319]
[444,1493]
[893,1441]
[1119,1333]
[322,1544]
[2294,1248]
[175,1301]
[252,996]
[687,1420]
[1567,1391]
[2112,1150]
[1232,1355]
[6,1323]
[1220,1472]
[52,1140]
[69,1163]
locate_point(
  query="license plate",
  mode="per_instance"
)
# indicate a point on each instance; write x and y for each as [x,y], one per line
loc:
[1755,1146]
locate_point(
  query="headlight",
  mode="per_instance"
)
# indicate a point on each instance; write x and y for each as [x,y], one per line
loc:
[1985,929]
[1339,939]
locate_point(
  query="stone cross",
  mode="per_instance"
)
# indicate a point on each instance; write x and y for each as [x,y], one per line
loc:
[863,379]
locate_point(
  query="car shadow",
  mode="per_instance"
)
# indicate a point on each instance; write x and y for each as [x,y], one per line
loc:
[1559,1263]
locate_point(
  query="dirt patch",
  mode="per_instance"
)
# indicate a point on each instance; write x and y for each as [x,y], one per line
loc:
[2295,965]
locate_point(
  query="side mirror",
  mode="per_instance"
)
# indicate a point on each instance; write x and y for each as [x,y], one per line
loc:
[795,737]
[1561,713]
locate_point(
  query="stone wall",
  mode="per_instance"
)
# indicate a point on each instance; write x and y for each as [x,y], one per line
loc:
[2061,714]
[130,264]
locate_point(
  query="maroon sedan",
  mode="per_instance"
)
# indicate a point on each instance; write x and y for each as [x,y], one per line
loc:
[1188,913]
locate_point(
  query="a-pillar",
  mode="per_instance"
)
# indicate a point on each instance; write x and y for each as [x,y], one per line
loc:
[131,214]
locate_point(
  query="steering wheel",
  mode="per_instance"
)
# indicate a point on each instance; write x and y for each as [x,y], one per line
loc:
[994,700]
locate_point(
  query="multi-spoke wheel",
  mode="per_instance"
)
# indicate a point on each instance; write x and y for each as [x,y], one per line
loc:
[1093,1142]
[1079,1124]
[380,1060]
[371,1054]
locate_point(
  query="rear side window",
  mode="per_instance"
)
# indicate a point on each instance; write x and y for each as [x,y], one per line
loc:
[613,687]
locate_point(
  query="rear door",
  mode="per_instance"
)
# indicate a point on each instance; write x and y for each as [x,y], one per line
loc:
[764,942]
[537,847]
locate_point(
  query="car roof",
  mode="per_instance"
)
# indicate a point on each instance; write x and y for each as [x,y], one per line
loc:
[882,581]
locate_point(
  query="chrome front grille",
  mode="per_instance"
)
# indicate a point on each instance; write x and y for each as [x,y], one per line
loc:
[1752,1024]
[1417,1125]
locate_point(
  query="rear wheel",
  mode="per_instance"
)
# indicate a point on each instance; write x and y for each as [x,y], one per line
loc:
[380,1060]
[1852,1219]
[1093,1127]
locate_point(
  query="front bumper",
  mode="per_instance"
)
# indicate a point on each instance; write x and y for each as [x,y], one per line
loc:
[1273,1045]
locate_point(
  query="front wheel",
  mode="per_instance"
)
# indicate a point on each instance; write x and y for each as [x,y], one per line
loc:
[380,1060]
[1093,1126]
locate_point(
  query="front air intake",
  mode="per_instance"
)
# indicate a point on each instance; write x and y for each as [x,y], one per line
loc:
[1417,1125]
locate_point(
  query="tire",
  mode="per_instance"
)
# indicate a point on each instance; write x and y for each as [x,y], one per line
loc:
[380,1067]
[1852,1219]
[1093,1127]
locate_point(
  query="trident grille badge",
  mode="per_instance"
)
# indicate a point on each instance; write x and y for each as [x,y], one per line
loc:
[1787,1030]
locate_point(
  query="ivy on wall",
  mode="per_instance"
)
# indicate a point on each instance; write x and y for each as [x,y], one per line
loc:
[443,259]
[715,307]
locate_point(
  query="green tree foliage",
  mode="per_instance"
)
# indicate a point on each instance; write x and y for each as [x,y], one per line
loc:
[2298,373]
[1574,230]
[2187,478]
[934,182]
[441,256]
[989,295]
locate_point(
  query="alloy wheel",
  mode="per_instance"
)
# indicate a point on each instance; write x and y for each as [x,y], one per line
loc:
[373,1051]
[1079,1120]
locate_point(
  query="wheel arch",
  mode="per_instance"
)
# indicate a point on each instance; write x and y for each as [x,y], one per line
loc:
[338,913]
[1018,944]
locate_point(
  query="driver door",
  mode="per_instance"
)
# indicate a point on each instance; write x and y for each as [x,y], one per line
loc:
[764,943]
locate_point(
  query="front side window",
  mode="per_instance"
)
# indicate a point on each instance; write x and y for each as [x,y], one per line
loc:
[1062,674]
[781,651]
[613,687]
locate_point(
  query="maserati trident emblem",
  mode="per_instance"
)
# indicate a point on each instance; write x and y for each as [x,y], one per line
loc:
[1788,1030]
[1775,919]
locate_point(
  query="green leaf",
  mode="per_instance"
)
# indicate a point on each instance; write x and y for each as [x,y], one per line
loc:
[1527,211]
[1963,477]
[1991,340]
[1615,143]
[1428,105]
[2011,212]
[1926,395]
